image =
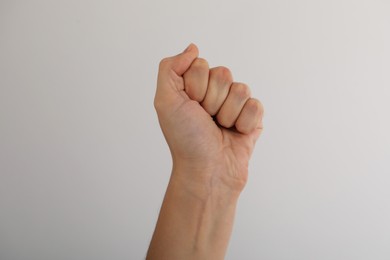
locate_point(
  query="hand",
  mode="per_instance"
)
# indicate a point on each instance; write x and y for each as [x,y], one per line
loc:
[210,123]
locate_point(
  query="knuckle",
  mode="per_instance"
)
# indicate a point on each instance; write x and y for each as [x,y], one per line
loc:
[260,107]
[254,107]
[241,90]
[200,64]
[164,63]
[223,74]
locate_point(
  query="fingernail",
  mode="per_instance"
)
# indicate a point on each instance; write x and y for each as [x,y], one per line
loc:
[189,48]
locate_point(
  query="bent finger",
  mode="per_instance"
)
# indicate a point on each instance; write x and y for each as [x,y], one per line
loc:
[250,116]
[196,79]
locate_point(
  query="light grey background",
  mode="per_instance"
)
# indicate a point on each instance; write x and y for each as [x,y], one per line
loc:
[84,166]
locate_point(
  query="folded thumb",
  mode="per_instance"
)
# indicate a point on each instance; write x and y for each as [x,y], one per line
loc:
[182,62]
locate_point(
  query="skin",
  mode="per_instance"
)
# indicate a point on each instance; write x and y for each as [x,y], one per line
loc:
[211,125]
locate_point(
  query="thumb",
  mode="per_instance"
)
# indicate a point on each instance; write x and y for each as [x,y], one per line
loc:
[169,79]
[181,62]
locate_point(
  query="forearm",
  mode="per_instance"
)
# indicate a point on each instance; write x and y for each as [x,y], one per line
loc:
[211,125]
[195,220]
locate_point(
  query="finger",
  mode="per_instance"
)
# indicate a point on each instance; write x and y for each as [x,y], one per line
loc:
[250,117]
[196,79]
[179,63]
[220,80]
[238,95]
[169,80]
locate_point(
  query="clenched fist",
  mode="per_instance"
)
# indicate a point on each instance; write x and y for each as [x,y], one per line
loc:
[210,123]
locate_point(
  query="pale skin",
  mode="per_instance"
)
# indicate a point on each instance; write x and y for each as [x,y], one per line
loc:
[211,125]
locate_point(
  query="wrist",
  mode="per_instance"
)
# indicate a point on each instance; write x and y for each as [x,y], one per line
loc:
[205,181]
